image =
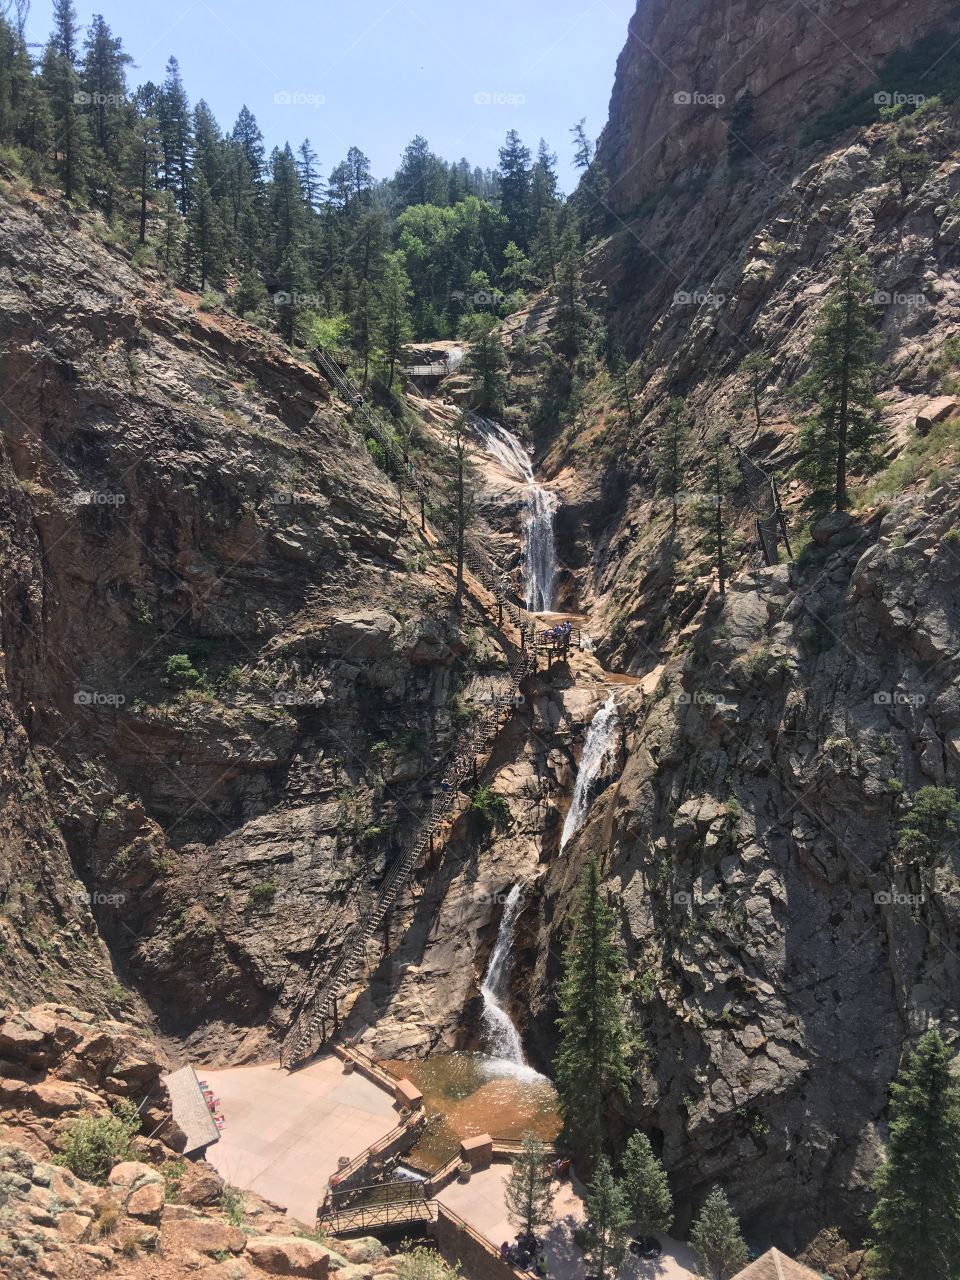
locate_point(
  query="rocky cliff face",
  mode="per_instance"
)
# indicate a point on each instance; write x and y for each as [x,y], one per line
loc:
[228,675]
[781,959]
[686,62]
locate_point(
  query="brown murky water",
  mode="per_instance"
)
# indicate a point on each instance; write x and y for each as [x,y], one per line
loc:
[465,1094]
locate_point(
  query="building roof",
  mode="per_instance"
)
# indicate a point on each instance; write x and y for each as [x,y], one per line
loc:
[190,1109]
[774,1265]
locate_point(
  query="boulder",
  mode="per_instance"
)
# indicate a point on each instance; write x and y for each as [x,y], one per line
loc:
[366,1249]
[204,1236]
[830,525]
[935,411]
[147,1201]
[290,1256]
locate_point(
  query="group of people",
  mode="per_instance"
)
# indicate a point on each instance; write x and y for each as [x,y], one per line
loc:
[560,634]
[526,1255]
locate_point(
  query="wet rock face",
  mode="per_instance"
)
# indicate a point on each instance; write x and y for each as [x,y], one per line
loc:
[687,61]
[782,957]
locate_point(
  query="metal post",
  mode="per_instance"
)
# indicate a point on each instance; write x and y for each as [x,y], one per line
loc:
[423,516]
[336,1017]
[782,518]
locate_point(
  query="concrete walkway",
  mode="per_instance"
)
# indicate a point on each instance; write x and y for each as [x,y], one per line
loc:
[481,1202]
[285,1131]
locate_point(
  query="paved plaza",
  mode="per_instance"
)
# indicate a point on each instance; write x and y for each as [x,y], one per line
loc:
[481,1202]
[285,1131]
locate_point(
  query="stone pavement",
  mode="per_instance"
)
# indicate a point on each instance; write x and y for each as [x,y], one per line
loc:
[285,1131]
[481,1202]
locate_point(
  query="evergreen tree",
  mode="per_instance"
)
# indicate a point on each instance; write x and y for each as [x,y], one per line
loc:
[916,1223]
[928,832]
[292,286]
[515,183]
[393,326]
[529,1192]
[205,254]
[591,1071]
[144,153]
[757,368]
[646,1187]
[608,1221]
[671,453]
[582,146]
[485,364]
[309,175]
[716,1239]
[624,385]
[363,323]
[844,427]
[61,82]
[105,83]
[459,496]
[421,177]
[176,137]
[246,134]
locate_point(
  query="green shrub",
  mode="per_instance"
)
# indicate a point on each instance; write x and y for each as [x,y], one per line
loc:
[231,1202]
[262,895]
[96,1143]
[492,809]
[180,672]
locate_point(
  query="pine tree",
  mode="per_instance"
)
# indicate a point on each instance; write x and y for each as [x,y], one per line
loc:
[144,153]
[928,832]
[529,1192]
[62,84]
[205,250]
[363,324]
[624,385]
[459,499]
[716,1239]
[309,174]
[591,1071]
[757,367]
[916,1223]
[844,426]
[176,136]
[646,1187]
[515,182]
[671,452]
[608,1217]
[582,146]
[105,82]
[485,364]
[393,325]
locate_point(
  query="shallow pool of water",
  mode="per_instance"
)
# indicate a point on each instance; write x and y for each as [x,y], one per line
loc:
[466,1093]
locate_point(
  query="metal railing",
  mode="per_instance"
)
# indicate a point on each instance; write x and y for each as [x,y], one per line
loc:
[298,1043]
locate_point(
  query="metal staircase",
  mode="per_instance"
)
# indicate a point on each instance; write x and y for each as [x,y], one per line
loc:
[307,1027]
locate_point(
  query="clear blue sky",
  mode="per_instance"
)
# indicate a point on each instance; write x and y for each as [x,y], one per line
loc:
[375,72]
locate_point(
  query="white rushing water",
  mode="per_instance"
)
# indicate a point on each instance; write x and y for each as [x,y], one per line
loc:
[598,755]
[540,505]
[501,1038]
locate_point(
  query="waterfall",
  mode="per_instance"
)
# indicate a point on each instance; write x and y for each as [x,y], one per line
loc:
[598,753]
[540,505]
[501,1038]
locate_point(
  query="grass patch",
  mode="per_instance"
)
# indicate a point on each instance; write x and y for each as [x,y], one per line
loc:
[926,458]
